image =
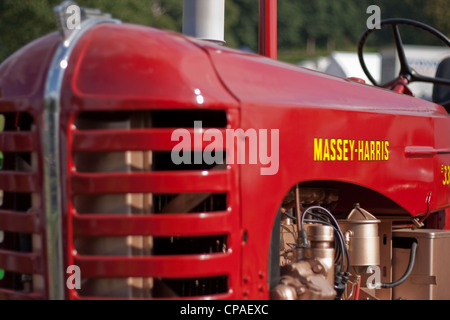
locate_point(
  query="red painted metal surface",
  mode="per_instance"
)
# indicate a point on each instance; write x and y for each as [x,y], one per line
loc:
[22,82]
[305,105]
[274,94]
[163,71]
[22,222]
[17,142]
[27,263]
[179,224]
[164,182]
[116,68]
[123,140]
[156,266]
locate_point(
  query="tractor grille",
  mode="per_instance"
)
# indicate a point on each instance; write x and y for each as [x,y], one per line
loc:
[22,267]
[142,226]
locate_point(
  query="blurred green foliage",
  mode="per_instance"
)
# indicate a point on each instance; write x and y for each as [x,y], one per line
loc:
[319,24]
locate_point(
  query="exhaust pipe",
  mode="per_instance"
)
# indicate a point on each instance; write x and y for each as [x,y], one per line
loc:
[204,19]
[268,28]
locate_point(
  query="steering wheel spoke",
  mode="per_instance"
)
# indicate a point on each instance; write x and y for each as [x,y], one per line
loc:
[421,78]
[405,70]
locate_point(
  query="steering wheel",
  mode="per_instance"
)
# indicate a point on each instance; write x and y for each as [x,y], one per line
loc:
[407,74]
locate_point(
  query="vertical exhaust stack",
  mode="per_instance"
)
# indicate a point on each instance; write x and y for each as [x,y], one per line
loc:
[268,28]
[204,19]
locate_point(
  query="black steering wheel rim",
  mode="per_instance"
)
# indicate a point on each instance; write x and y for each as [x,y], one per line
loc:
[405,70]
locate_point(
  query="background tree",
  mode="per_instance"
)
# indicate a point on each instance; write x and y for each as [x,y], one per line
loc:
[22,21]
[291,24]
[438,12]
[324,24]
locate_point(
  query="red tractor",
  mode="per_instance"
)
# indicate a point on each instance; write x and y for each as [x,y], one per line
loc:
[143,163]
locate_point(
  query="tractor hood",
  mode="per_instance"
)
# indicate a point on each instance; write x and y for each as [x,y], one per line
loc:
[122,61]
[23,75]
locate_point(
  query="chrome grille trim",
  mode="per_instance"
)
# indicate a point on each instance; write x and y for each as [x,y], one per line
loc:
[50,142]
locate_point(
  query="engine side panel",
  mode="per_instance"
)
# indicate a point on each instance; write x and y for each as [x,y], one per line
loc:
[379,147]
[343,131]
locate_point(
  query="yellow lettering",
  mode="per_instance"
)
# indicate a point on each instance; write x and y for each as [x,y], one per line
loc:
[366,151]
[345,157]
[372,150]
[339,153]
[360,150]
[352,145]
[386,149]
[378,150]
[317,149]
[333,151]
[326,151]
